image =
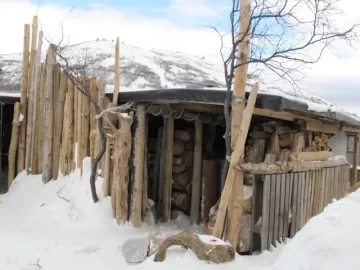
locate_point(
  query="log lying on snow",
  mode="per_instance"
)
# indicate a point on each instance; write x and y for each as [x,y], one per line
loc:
[206,248]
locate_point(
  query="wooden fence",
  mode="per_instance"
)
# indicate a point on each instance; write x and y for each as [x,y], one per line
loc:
[284,203]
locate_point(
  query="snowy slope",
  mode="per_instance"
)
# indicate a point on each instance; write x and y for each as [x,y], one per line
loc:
[59,225]
[139,68]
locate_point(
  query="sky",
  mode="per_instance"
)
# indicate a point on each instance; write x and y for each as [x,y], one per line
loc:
[175,25]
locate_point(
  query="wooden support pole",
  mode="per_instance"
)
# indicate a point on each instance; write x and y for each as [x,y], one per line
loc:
[58,124]
[139,151]
[31,96]
[168,165]
[85,129]
[41,113]
[107,169]
[234,183]
[94,96]
[79,126]
[13,144]
[121,156]
[117,73]
[67,151]
[36,109]
[23,100]
[48,129]
[355,160]
[145,202]
[196,178]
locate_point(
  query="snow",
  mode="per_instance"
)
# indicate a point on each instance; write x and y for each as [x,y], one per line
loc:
[211,240]
[58,225]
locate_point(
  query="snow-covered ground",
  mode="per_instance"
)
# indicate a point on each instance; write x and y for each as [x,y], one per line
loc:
[59,227]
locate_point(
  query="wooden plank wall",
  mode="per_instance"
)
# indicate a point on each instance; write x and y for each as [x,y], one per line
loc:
[290,200]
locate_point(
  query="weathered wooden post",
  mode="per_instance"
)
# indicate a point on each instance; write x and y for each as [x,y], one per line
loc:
[23,100]
[138,165]
[48,116]
[355,160]
[31,96]
[13,144]
[196,178]
[168,166]
[58,125]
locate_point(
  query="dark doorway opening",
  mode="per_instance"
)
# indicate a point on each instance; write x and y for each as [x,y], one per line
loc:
[6,116]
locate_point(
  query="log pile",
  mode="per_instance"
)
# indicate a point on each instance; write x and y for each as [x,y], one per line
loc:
[183,153]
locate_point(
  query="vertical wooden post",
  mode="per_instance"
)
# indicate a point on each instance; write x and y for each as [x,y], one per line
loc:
[31,97]
[23,100]
[94,96]
[168,165]
[196,178]
[145,201]
[107,169]
[58,124]
[35,124]
[139,151]
[41,113]
[117,73]
[13,144]
[85,123]
[235,206]
[355,160]
[49,115]
[79,126]
[67,151]
[121,156]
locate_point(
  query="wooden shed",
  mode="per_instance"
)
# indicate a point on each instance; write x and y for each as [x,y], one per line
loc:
[186,151]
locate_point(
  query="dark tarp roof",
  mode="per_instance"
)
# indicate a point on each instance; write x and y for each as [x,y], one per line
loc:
[214,96]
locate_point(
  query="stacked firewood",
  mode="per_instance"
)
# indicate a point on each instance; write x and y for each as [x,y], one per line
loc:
[182,170]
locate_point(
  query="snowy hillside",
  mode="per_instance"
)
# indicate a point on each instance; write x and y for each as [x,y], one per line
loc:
[139,68]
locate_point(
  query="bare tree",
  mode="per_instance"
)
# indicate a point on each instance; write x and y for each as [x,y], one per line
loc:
[284,37]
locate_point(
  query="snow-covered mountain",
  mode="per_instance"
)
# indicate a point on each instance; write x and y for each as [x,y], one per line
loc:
[139,68]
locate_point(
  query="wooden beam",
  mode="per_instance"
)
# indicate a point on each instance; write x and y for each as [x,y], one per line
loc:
[168,165]
[317,126]
[199,107]
[196,178]
[355,160]
[277,115]
[350,129]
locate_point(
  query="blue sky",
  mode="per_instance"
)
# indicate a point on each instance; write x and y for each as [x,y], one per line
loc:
[187,13]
